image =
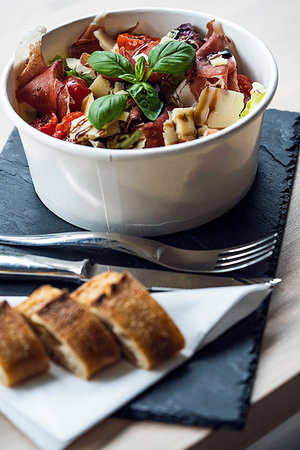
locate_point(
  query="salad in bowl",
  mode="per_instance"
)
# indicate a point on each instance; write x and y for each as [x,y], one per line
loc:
[132,90]
[142,121]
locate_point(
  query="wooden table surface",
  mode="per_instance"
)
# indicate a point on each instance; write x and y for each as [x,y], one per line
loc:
[276,393]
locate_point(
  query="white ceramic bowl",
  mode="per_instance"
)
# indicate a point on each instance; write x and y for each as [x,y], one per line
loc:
[151,191]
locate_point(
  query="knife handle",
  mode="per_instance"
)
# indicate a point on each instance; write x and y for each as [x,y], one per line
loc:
[20,264]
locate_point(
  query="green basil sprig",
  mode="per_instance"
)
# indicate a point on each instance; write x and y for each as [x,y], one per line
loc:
[110,64]
[146,97]
[106,108]
[172,57]
[139,69]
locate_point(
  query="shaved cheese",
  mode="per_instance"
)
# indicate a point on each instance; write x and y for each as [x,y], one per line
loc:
[169,133]
[218,61]
[86,104]
[100,87]
[96,144]
[74,63]
[184,95]
[118,88]
[113,127]
[218,108]
[183,119]
[105,41]
[81,128]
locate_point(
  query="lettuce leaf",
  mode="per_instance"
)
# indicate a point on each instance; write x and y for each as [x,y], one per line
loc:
[125,141]
[56,58]
[257,93]
[85,77]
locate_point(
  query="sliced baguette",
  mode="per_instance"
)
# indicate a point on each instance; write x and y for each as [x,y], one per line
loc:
[21,354]
[71,335]
[146,333]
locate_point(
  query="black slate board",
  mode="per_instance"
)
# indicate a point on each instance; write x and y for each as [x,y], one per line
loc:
[212,389]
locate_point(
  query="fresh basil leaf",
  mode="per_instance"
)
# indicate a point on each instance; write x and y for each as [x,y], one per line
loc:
[140,68]
[110,64]
[107,108]
[128,77]
[56,58]
[172,57]
[147,99]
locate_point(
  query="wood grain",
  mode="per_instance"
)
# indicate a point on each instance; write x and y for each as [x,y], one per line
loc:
[276,394]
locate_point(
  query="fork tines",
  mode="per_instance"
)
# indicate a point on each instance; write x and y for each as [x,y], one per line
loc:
[242,256]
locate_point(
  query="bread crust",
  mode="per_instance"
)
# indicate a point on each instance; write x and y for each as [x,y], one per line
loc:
[147,334]
[21,354]
[72,336]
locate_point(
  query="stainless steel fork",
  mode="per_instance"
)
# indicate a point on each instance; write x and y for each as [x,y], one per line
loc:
[201,261]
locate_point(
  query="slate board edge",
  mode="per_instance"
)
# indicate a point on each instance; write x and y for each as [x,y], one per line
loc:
[139,414]
[176,418]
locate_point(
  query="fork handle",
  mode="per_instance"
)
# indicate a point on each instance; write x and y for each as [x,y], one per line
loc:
[20,264]
[144,248]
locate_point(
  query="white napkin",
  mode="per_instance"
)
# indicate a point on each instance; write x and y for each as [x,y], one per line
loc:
[57,407]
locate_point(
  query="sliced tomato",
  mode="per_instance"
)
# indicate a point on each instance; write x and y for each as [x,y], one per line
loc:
[78,90]
[131,43]
[62,129]
[46,124]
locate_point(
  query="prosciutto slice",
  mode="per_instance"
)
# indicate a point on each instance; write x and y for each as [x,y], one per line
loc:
[204,74]
[153,131]
[29,61]
[46,92]
[135,117]
[214,44]
[86,43]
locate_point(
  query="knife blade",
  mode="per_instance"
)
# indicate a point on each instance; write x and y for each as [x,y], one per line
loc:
[33,266]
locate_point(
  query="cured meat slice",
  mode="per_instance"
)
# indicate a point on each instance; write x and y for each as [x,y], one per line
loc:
[203,73]
[135,117]
[29,61]
[214,44]
[153,131]
[46,92]
[86,43]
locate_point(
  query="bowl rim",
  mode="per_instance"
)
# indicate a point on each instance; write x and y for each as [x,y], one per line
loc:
[126,154]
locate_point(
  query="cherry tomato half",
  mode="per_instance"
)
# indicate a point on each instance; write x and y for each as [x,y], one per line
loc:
[132,42]
[78,90]
[62,129]
[129,41]
[46,124]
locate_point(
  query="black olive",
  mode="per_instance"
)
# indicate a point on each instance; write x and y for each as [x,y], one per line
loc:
[226,54]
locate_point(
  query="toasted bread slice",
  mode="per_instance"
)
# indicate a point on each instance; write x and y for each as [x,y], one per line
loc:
[145,331]
[21,354]
[71,335]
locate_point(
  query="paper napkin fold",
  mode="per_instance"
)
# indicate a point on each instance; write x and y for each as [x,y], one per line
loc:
[57,407]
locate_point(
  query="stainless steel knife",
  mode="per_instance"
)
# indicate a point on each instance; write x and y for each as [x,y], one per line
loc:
[25,265]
